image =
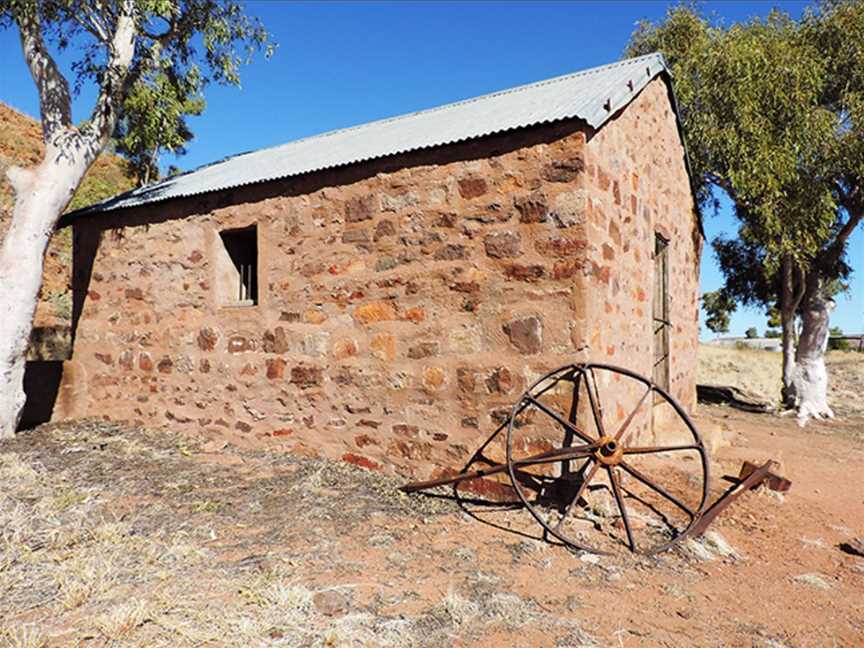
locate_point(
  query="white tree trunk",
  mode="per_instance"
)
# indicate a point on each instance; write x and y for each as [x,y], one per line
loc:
[811,377]
[787,323]
[42,194]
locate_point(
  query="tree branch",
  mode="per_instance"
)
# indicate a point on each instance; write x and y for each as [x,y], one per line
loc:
[726,185]
[802,288]
[167,35]
[19,178]
[99,27]
[121,51]
[55,102]
[856,215]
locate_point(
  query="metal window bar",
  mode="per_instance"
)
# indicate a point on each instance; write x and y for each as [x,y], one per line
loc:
[244,289]
[662,325]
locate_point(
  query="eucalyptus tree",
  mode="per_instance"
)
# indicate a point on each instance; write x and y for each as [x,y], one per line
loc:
[153,121]
[773,115]
[718,305]
[118,45]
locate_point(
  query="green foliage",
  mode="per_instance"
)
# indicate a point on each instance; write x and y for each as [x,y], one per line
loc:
[837,345]
[773,333]
[181,46]
[774,320]
[718,304]
[751,333]
[773,114]
[106,178]
[154,120]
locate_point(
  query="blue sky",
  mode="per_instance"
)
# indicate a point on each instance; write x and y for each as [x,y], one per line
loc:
[340,64]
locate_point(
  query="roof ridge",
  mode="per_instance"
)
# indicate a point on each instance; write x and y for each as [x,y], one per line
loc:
[593,94]
[462,102]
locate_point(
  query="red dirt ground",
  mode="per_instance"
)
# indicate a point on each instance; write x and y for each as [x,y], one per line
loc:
[226,547]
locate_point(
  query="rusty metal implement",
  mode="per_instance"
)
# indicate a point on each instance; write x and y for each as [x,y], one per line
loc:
[750,477]
[571,464]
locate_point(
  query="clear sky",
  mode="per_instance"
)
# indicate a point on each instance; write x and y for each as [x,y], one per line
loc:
[340,64]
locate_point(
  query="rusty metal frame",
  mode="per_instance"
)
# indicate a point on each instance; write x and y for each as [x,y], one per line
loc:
[607,452]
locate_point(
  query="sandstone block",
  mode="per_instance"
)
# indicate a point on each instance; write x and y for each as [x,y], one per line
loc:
[467,338]
[344,348]
[363,440]
[356,236]
[451,252]
[358,209]
[275,341]
[567,268]
[316,344]
[433,378]
[566,170]
[423,350]
[306,377]
[383,346]
[384,229]
[207,338]
[501,245]
[529,273]
[126,360]
[405,430]
[275,368]
[377,311]
[399,202]
[500,381]
[145,362]
[532,208]
[526,334]
[385,263]
[561,246]
[240,344]
[165,365]
[466,378]
[569,208]
[416,315]
[361,461]
[472,187]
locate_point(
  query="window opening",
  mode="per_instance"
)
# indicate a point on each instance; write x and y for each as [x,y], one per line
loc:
[242,248]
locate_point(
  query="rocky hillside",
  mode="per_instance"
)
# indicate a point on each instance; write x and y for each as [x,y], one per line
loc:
[21,144]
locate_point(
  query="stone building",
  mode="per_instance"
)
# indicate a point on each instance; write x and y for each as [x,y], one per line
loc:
[380,293]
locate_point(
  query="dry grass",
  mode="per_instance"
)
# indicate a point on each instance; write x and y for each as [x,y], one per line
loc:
[122,537]
[759,372]
[751,370]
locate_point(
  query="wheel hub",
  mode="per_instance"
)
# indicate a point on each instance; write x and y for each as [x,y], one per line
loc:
[610,451]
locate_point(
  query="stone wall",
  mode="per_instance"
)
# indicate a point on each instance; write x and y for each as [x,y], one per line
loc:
[403,304]
[637,184]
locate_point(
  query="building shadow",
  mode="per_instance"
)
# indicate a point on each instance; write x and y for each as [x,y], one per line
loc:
[41,385]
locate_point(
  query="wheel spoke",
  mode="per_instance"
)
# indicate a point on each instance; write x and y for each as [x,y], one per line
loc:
[559,454]
[574,502]
[564,423]
[596,408]
[616,490]
[632,414]
[658,449]
[638,475]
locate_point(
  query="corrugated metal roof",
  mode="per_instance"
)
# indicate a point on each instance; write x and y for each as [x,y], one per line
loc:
[593,95]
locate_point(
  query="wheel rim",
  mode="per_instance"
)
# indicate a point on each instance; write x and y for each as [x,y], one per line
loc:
[675,501]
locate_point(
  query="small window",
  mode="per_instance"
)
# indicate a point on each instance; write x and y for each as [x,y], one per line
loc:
[238,275]
[662,325]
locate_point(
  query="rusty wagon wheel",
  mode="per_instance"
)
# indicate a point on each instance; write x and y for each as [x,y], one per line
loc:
[596,484]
